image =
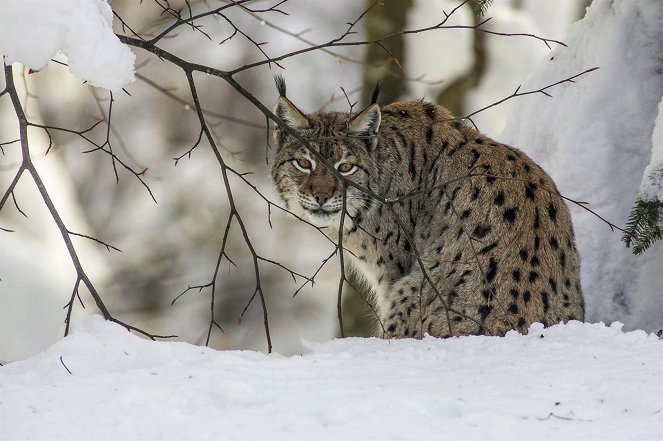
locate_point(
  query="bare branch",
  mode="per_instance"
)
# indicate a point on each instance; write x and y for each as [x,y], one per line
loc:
[179,21]
[231,201]
[12,185]
[108,246]
[341,229]
[542,90]
[187,105]
[70,305]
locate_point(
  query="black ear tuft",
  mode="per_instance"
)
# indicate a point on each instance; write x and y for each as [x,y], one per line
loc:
[376,92]
[280,84]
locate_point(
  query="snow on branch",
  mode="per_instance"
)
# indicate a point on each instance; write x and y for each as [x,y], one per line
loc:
[34,31]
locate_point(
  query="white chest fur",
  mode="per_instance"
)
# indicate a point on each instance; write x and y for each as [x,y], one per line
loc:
[368,271]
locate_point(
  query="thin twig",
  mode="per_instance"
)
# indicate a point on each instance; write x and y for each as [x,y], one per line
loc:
[65,366]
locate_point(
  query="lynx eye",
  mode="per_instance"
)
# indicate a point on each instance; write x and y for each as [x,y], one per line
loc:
[346,168]
[302,164]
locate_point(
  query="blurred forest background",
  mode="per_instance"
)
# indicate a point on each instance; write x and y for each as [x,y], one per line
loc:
[173,244]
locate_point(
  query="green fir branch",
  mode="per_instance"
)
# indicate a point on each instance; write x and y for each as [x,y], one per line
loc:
[644,225]
[480,7]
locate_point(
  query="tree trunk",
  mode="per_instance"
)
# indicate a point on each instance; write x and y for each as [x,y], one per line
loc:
[385,65]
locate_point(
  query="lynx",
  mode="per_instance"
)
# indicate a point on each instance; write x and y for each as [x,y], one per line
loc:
[478,219]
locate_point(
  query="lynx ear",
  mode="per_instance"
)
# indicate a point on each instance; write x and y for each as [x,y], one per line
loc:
[366,124]
[287,111]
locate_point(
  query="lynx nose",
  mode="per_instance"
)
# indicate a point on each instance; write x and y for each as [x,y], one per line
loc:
[321,197]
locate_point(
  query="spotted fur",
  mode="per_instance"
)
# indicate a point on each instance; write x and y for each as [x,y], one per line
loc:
[496,240]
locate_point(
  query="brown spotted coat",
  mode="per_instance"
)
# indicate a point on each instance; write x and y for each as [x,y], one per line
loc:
[493,235]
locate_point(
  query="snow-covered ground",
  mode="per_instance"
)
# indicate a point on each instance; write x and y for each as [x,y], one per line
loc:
[573,381]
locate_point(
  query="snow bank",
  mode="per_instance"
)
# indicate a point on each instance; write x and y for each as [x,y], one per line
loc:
[573,381]
[595,138]
[33,31]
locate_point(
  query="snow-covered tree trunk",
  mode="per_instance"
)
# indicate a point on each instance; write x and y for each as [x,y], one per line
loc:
[645,225]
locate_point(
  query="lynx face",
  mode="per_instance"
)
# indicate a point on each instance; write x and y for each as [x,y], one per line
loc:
[310,189]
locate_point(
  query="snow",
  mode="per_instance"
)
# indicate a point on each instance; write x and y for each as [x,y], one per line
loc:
[652,179]
[573,381]
[33,31]
[595,139]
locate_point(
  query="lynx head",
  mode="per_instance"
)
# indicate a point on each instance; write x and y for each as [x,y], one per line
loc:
[308,188]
